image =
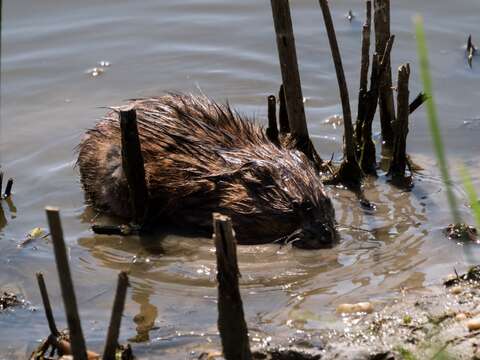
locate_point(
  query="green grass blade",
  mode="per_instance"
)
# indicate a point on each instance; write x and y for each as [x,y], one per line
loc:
[472,194]
[433,118]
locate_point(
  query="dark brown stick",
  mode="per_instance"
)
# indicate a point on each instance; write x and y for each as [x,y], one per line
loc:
[349,146]
[68,294]
[8,188]
[1,183]
[400,126]
[382,34]
[365,64]
[116,318]
[272,129]
[471,50]
[115,230]
[288,63]
[417,102]
[46,305]
[368,161]
[282,112]
[231,319]
[385,60]
[133,165]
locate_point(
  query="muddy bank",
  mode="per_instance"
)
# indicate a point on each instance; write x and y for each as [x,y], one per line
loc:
[443,324]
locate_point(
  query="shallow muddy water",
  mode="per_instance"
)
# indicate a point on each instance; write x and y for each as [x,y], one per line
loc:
[228,50]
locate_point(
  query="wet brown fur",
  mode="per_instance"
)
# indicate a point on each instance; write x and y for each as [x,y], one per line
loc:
[202,157]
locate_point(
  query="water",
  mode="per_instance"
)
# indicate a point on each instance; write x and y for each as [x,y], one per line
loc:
[228,50]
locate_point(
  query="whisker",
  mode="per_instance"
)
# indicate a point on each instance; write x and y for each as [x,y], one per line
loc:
[352,228]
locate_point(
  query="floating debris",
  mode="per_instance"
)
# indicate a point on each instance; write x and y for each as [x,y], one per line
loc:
[96,71]
[473,274]
[334,120]
[461,232]
[8,300]
[350,15]
[35,233]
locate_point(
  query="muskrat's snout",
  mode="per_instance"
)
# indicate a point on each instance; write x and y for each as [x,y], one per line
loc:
[319,235]
[317,229]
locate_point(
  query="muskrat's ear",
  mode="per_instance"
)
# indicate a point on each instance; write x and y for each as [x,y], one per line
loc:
[296,205]
[302,207]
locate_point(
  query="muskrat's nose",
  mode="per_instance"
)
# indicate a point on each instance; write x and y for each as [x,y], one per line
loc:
[316,236]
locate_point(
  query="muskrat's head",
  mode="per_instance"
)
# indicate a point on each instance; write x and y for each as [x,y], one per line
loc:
[278,197]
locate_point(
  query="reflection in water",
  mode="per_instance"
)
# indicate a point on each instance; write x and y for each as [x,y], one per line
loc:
[11,209]
[134,256]
[145,319]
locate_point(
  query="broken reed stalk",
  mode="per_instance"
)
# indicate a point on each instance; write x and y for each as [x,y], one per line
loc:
[417,102]
[133,165]
[400,128]
[231,318]
[349,146]
[46,305]
[111,343]
[282,112]
[471,50]
[291,81]
[365,64]
[368,162]
[8,188]
[272,129]
[68,294]
[382,35]
[349,172]
[289,67]
[367,147]
[1,183]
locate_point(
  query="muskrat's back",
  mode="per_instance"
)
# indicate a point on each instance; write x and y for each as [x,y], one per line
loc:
[201,157]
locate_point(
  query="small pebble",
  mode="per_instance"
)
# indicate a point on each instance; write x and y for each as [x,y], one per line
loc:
[473,324]
[456,290]
[364,307]
[460,317]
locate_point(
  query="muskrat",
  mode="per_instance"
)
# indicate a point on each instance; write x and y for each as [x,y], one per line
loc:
[203,157]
